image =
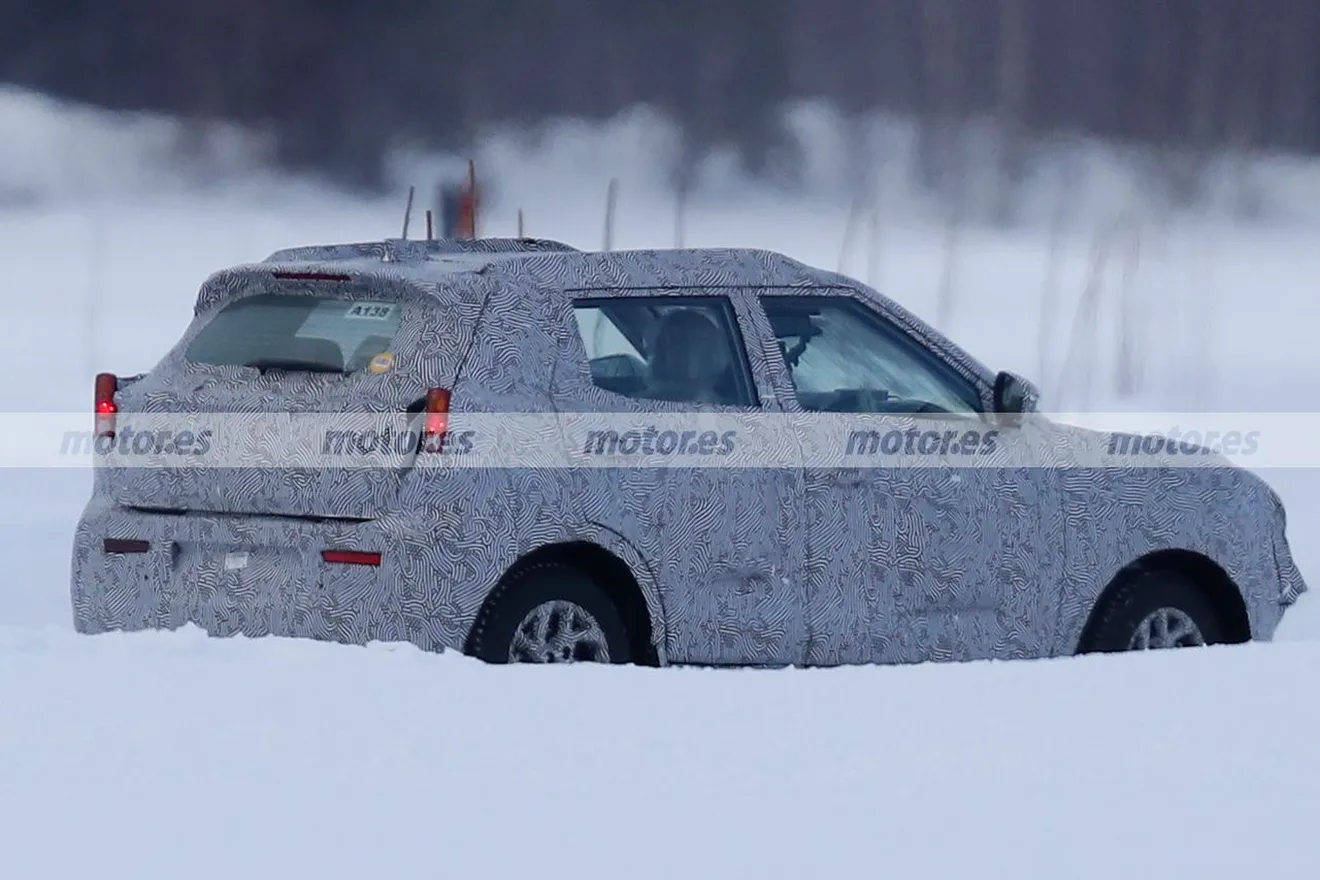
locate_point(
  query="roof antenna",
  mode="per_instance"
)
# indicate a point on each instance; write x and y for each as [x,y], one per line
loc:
[430,228]
[407,211]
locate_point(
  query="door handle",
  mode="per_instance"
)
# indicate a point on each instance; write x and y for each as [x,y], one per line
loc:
[746,578]
[750,579]
[846,482]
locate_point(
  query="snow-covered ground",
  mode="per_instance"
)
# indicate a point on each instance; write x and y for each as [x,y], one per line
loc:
[178,756]
[172,755]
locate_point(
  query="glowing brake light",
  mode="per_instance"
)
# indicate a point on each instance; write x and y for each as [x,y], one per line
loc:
[105,407]
[435,419]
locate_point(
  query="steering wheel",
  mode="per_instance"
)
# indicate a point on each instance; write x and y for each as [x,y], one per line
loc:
[847,400]
[865,400]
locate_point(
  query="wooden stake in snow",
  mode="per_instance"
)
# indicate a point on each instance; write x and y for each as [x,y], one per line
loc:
[1127,379]
[1050,292]
[472,199]
[611,197]
[945,295]
[680,218]
[1079,358]
[407,211]
[850,231]
[873,247]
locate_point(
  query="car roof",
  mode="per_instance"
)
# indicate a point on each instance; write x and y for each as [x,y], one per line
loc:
[549,266]
[558,266]
[543,264]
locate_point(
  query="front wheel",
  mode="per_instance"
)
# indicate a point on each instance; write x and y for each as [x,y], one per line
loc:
[551,613]
[1150,611]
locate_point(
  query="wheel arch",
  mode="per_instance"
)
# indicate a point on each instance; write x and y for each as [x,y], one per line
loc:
[1209,577]
[605,558]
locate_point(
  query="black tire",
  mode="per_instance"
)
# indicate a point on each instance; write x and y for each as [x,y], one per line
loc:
[528,590]
[1141,595]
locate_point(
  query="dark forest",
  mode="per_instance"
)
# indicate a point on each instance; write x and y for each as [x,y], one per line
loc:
[337,84]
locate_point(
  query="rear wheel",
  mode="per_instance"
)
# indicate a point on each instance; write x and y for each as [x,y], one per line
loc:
[1153,610]
[550,613]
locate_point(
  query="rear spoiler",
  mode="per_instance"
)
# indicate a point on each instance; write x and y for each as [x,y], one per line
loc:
[403,250]
[226,284]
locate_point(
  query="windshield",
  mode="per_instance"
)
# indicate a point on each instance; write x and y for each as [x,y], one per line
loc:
[297,332]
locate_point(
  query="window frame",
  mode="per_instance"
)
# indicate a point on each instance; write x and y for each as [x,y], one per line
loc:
[960,386]
[745,376]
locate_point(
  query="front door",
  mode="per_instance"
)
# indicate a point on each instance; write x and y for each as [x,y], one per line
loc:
[915,549]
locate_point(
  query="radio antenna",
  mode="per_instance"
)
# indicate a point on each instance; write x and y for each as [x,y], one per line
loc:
[407,211]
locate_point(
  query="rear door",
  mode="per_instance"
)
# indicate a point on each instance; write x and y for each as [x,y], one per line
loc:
[300,394]
[661,404]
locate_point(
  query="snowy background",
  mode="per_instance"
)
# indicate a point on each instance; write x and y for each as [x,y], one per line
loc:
[175,756]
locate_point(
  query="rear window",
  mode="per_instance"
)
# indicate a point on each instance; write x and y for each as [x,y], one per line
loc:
[288,330]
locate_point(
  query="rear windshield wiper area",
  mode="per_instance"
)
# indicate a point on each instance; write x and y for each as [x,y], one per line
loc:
[292,365]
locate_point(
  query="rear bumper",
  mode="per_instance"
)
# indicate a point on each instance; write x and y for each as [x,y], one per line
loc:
[258,576]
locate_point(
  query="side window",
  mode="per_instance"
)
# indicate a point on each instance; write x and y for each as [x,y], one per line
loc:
[678,349]
[842,357]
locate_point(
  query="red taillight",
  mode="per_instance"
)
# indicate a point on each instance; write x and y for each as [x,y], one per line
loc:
[350,557]
[311,276]
[435,419]
[105,407]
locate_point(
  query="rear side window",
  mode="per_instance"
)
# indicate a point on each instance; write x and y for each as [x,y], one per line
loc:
[679,349]
[297,331]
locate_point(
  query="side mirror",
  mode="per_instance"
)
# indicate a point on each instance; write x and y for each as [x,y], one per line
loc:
[1014,394]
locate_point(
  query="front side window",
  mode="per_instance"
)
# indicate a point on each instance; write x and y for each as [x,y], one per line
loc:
[842,357]
[297,332]
[685,350]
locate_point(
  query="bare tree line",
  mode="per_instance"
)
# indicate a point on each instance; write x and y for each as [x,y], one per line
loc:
[339,83]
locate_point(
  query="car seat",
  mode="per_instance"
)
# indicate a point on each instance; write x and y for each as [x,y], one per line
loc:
[368,349]
[689,359]
[315,350]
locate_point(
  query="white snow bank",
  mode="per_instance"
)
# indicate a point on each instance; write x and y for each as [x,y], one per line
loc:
[57,151]
[60,152]
[173,755]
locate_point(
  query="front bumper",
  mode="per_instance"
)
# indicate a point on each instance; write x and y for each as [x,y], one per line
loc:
[1291,583]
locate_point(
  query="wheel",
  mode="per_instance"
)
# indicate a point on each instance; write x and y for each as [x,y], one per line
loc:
[551,613]
[1153,610]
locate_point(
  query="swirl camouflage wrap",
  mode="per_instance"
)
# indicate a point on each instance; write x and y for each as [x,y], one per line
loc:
[823,562]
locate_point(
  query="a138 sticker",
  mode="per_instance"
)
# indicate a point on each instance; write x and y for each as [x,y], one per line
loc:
[371,311]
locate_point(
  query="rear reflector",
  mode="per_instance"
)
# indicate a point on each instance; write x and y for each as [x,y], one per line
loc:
[311,276]
[125,545]
[350,557]
[105,407]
